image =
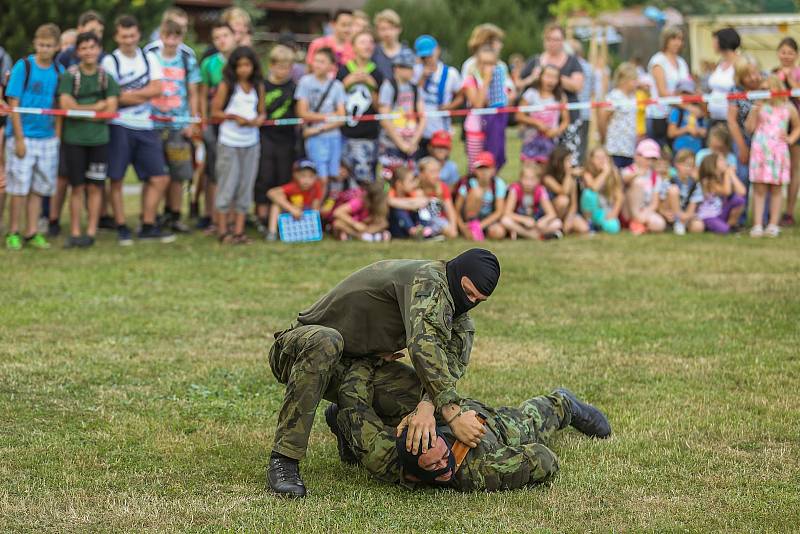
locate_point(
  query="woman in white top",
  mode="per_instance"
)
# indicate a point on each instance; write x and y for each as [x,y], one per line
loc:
[721,81]
[667,69]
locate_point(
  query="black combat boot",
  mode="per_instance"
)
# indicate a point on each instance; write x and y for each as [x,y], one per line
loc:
[586,418]
[346,454]
[283,475]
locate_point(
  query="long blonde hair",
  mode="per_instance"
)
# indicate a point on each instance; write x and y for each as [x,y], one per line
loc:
[613,184]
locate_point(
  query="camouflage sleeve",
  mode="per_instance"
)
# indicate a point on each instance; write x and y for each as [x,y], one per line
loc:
[429,342]
[371,441]
[507,468]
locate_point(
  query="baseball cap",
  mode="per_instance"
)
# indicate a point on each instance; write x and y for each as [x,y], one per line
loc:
[685,86]
[484,159]
[405,58]
[425,45]
[648,148]
[441,139]
[301,164]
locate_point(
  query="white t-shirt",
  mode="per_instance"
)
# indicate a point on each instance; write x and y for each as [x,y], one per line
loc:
[621,131]
[429,91]
[672,75]
[134,73]
[720,82]
[244,105]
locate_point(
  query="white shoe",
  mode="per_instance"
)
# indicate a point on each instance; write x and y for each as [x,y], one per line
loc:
[679,228]
[772,230]
[757,231]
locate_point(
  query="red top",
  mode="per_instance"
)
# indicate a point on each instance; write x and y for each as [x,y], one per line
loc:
[343,53]
[300,198]
[527,204]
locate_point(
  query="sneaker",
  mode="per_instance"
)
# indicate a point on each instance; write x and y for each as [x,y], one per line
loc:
[73,242]
[757,231]
[179,227]
[787,220]
[14,242]
[679,228]
[86,241]
[637,228]
[154,233]
[106,222]
[124,236]
[558,234]
[271,236]
[37,241]
[203,223]
[53,229]
[772,231]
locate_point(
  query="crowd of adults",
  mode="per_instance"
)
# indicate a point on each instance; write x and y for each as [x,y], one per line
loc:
[197,125]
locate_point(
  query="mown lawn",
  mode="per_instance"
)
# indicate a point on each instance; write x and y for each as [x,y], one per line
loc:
[135,395]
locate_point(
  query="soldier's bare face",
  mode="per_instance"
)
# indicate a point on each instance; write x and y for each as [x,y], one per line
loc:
[472,292]
[436,458]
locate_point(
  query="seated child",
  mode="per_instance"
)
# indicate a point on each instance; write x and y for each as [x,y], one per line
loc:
[528,211]
[480,201]
[719,142]
[304,192]
[723,195]
[405,200]
[641,181]
[601,199]
[680,194]
[439,147]
[563,190]
[361,213]
[440,212]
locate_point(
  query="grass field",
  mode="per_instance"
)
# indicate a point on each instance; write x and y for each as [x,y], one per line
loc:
[134,390]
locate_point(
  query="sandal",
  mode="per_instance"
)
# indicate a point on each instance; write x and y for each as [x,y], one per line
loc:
[226,239]
[241,239]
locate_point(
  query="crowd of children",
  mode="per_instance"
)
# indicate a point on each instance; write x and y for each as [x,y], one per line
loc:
[369,179]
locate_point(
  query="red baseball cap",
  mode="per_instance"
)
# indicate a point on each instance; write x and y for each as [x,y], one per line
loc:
[441,139]
[484,159]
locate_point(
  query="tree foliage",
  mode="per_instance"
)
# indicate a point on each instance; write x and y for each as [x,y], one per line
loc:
[17,30]
[451,22]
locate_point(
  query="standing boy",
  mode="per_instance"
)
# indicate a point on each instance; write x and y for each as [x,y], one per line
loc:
[277,142]
[33,140]
[222,37]
[439,86]
[179,99]
[86,87]
[133,139]
[319,96]
[388,27]
[338,42]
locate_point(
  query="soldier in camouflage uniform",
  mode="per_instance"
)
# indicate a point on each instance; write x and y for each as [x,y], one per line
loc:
[373,314]
[512,454]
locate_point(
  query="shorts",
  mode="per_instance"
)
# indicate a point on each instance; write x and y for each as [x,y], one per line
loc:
[37,171]
[236,168]
[142,148]
[274,169]
[210,141]
[325,150]
[85,164]
[361,157]
[178,153]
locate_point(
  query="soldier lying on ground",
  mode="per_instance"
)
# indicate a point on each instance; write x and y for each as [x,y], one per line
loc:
[377,311]
[512,453]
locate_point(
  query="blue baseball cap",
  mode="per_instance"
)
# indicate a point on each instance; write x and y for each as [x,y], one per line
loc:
[425,45]
[301,164]
[405,58]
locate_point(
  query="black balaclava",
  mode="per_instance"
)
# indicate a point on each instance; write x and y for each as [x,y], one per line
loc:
[480,266]
[410,462]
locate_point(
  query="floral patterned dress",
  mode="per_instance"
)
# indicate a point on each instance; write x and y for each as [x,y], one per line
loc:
[769,152]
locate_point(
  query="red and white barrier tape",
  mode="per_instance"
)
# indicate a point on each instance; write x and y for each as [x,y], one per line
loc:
[573,106]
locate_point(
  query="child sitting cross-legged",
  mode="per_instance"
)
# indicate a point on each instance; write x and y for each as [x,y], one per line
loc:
[528,211]
[601,199]
[641,182]
[480,201]
[405,201]
[723,195]
[304,192]
[681,194]
[563,190]
[360,213]
[440,213]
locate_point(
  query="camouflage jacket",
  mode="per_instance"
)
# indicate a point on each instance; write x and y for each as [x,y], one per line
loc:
[401,304]
[511,455]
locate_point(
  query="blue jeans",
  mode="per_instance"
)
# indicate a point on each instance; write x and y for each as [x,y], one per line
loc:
[325,150]
[401,221]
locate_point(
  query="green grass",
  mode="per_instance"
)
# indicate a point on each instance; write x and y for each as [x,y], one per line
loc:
[135,394]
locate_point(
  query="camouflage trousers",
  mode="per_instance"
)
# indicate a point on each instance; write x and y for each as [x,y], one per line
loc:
[511,455]
[309,360]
